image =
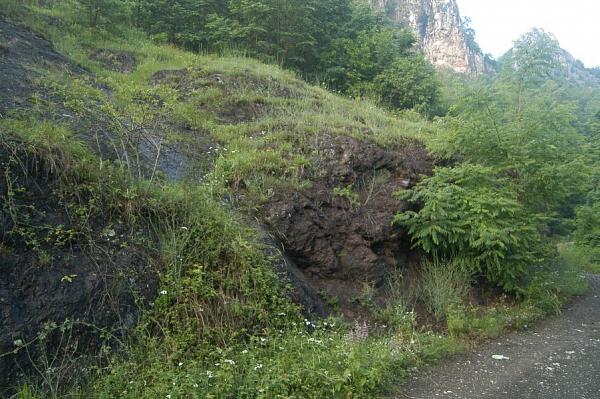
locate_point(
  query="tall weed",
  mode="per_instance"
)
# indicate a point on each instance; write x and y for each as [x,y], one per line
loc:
[444,283]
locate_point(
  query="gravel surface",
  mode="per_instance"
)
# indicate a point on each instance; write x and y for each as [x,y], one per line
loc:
[558,359]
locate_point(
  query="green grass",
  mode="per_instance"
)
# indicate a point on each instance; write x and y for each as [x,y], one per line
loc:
[444,284]
[581,255]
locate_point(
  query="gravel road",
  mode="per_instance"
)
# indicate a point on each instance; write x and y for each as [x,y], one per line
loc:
[558,359]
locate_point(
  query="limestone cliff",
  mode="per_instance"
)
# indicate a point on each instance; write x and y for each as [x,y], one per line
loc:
[440,32]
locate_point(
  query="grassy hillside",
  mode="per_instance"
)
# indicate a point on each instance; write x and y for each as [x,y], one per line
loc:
[125,165]
[144,191]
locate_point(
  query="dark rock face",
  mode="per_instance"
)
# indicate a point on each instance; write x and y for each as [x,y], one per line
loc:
[21,49]
[89,275]
[340,241]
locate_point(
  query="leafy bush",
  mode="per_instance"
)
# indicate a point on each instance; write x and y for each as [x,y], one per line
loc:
[469,212]
[554,281]
[349,194]
[410,82]
[353,62]
[490,322]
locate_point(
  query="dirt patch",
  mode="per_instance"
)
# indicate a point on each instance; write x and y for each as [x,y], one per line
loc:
[22,51]
[243,111]
[267,86]
[114,60]
[234,112]
[180,79]
[339,232]
[189,79]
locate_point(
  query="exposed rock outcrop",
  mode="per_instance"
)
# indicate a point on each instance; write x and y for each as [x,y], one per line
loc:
[441,33]
[339,232]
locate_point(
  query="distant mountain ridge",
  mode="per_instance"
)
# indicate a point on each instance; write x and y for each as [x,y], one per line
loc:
[562,66]
[441,33]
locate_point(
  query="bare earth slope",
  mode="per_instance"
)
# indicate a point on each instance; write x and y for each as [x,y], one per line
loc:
[559,359]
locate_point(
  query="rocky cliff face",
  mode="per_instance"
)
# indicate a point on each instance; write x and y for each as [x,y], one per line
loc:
[440,32]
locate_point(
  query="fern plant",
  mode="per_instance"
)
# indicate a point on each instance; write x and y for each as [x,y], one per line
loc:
[470,212]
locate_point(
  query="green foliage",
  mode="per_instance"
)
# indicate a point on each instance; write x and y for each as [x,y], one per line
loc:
[410,82]
[222,324]
[585,257]
[554,281]
[529,137]
[524,139]
[492,321]
[105,13]
[283,30]
[471,212]
[470,34]
[353,63]
[297,363]
[444,284]
[349,194]
[587,231]
[549,286]
[344,45]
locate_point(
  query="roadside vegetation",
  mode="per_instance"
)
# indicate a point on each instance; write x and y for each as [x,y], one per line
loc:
[507,224]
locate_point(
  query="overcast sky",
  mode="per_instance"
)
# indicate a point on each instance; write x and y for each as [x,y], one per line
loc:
[575,23]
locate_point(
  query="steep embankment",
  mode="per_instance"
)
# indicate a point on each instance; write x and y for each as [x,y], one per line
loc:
[52,269]
[82,244]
